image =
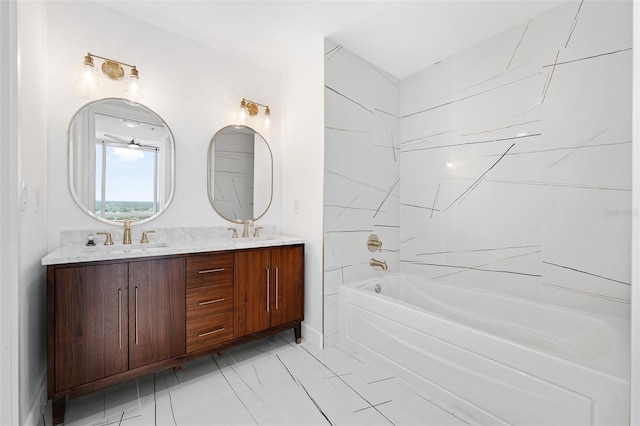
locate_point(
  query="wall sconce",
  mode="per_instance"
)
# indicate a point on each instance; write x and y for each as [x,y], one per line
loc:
[112,69]
[251,108]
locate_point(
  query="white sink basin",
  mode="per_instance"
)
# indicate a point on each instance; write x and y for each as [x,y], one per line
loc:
[124,248]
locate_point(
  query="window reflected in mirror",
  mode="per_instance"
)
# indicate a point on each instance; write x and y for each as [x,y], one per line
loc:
[121,161]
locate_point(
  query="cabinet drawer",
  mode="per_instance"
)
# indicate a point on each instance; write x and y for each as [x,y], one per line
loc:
[209,301]
[207,332]
[209,269]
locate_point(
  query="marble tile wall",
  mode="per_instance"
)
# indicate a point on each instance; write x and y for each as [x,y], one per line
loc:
[362,180]
[516,161]
[514,157]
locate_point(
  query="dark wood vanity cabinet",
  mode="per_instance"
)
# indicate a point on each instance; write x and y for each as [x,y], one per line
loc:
[156,311]
[114,321]
[209,300]
[90,327]
[269,289]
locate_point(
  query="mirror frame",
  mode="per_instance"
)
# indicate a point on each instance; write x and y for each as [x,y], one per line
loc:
[70,174]
[211,172]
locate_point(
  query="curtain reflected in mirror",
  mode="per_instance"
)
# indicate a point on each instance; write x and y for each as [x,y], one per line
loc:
[121,161]
[240,174]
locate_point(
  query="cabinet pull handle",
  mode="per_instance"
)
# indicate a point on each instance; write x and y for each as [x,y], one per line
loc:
[208,271]
[268,285]
[211,301]
[136,317]
[211,332]
[276,287]
[120,317]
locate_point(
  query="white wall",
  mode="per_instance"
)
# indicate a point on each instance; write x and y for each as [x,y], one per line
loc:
[32,140]
[302,180]
[362,174]
[523,146]
[635,235]
[194,88]
[9,216]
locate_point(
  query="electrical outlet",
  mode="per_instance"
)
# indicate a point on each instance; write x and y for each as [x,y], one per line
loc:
[296,206]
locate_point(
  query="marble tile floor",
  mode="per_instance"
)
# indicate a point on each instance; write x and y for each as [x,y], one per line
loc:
[272,381]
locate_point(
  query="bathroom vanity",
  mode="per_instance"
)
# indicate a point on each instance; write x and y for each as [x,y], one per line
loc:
[120,314]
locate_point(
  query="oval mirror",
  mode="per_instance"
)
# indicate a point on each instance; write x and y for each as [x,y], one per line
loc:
[240,181]
[121,161]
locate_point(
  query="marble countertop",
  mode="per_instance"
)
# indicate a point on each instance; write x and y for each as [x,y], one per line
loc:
[76,253]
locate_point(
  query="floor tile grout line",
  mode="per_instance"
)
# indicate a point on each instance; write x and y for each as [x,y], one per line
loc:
[299,383]
[349,386]
[242,379]
[234,391]
[173,414]
[381,380]
[373,406]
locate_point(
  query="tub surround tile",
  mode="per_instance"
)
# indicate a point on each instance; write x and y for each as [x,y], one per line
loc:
[523,141]
[362,158]
[271,381]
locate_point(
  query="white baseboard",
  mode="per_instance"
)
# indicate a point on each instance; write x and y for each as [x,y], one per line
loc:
[38,403]
[312,336]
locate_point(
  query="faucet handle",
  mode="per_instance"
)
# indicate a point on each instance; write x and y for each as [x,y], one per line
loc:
[108,241]
[144,239]
[256,231]
[235,232]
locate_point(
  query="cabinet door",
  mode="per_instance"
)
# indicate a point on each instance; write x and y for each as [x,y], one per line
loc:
[156,310]
[252,292]
[90,334]
[287,265]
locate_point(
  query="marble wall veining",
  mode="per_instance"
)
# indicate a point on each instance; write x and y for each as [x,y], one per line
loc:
[362,180]
[516,161]
[505,167]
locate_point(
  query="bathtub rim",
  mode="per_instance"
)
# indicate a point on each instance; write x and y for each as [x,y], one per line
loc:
[619,326]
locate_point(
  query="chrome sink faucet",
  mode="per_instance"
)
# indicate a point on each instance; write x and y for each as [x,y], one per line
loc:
[127,232]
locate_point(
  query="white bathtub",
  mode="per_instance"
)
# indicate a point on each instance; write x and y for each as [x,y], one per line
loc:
[497,359]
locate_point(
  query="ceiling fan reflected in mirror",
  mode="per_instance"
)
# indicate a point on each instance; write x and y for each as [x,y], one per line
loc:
[130,143]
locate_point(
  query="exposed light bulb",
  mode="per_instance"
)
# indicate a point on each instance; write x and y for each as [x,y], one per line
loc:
[133,89]
[88,78]
[267,116]
[243,112]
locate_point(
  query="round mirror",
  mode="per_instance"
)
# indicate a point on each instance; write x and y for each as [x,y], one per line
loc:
[121,161]
[240,181]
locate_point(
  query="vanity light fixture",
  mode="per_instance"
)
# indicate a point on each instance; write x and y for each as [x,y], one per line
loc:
[113,70]
[251,108]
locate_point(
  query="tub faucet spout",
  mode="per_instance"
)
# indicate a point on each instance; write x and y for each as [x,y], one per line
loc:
[374,263]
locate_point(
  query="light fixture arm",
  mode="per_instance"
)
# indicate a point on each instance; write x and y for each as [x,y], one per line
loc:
[251,108]
[247,101]
[110,60]
[112,68]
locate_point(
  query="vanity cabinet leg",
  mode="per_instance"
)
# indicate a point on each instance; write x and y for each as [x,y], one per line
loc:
[297,330]
[58,407]
[221,353]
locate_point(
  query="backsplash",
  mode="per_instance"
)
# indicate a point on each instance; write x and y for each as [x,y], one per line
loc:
[164,235]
